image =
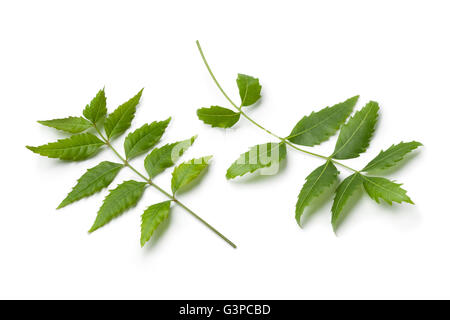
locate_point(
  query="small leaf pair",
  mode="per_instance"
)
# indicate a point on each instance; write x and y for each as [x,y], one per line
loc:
[353,140]
[250,93]
[127,194]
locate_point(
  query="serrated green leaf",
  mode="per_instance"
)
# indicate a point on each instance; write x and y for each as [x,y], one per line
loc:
[96,110]
[390,157]
[166,156]
[125,196]
[355,135]
[187,172]
[70,124]
[152,218]
[249,89]
[344,192]
[143,139]
[260,156]
[381,188]
[320,126]
[94,180]
[77,147]
[120,119]
[218,117]
[316,183]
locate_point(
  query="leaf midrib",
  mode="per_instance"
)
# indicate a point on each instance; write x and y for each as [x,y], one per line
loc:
[357,129]
[381,187]
[316,125]
[315,182]
[345,190]
[121,117]
[387,155]
[98,178]
[220,115]
[122,194]
[76,146]
[135,145]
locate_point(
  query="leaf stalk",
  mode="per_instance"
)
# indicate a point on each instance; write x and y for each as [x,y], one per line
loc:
[283,140]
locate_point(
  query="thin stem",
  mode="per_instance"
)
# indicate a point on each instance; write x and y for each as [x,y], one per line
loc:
[213,77]
[167,194]
[283,140]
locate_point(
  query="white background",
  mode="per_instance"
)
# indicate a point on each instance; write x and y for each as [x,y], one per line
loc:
[55,56]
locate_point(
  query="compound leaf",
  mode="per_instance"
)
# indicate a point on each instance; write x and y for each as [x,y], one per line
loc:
[259,156]
[188,171]
[143,139]
[77,147]
[166,156]
[218,117]
[390,157]
[125,196]
[316,183]
[94,180]
[344,192]
[96,110]
[320,126]
[70,124]
[152,218]
[120,119]
[355,135]
[249,89]
[381,188]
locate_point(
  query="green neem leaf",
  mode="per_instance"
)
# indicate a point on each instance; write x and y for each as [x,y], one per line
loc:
[390,157]
[120,119]
[249,89]
[152,218]
[143,139]
[320,126]
[125,196]
[166,156]
[355,135]
[218,117]
[77,147]
[344,192]
[381,188]
[188,171]
[96,110]
[268,155]
[94,180]
[70,124]
[316,183]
